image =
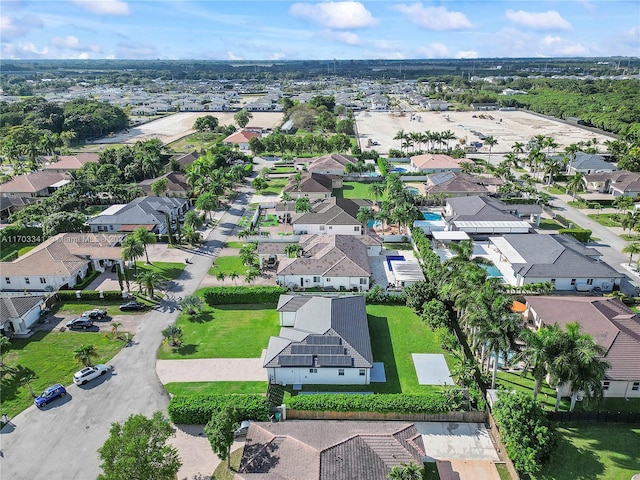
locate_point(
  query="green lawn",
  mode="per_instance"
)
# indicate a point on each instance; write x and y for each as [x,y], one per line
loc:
[398,246]
[216,388]
[275,186]
[355,190]
[194,142]
[605,219]
[167,270]
[228,265]
[226,331]
[594,451]
[630,238]
[8,249]
[396,332]
[289,169]
[546,395]
[234,244]
[555,190]
[548,224]
[71,307]
[268,220]
[49,357]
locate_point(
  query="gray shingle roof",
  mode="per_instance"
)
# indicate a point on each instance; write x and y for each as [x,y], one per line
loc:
[586,161]
[475,208]
[333,211]
[15,306]
[312,183]
[142,210]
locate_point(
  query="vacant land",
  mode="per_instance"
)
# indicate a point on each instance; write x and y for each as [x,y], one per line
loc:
[228,265]
[587,452]
[46,358]
[225,331]
[215,388]
[355,190]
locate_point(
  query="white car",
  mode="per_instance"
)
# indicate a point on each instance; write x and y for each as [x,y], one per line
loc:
[89,373]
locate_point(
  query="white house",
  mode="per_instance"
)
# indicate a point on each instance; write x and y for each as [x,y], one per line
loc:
[613,326]
[559,259]
[323,340]
[241,139]
[332,216]
[18,312]
[332,164]
[333,262]
[589,163]
[314,186]
[489,216]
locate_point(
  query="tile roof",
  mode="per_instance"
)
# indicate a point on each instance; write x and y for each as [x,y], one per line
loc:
[329,256]
[453,182]
[343,318]
[142,210]
[430,161]
[328,450]
[613,326]
[333,161]
[488,209]
[333,211]
[70,162]
[311,182]
[176,183]
[15,306]
[587,161]
[622,180]
[556,256]
[33,182]
[243,136]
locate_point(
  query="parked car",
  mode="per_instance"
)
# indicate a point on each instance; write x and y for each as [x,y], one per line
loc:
[49,395]
[96,314]
[89,373]
[133,305]
[80,323]
[242,429]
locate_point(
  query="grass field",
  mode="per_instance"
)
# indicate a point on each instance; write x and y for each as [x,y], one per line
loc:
[546,394]
[605,219]
[234,244]
[195,142]
[216,388]
[548,224]
[355,190]
[8,249]
[228,265]
[594,451]
[167,270]
[275,186]
[72,307]
[48,357]
[226,331]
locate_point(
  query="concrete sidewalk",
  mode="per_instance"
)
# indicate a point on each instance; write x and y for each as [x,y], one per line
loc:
[212,370]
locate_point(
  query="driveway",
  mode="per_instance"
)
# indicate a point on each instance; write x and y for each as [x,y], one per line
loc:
[62,440]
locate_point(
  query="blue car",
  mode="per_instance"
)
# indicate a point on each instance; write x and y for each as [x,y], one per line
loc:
[49,395]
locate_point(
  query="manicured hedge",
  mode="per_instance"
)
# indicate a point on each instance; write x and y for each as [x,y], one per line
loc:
[198,409]
[70,295]
[580,234]
[242,295]
[382,403]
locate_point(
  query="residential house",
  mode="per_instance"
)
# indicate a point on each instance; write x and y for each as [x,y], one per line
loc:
[66,163]
[487,215]
[589,163]
[453,184]
[331,262]
[177,185]
[336,216]
[483,106]
[18,312]
[559,259]
[323,340]
[61,261]
[436,163]
[148,212]
[332,164]
[437,105]
[379,103]
[241,138]
[9,205]
[37,184]
[613,326]
[332,449]
[187,159]
[314,186]
[616,183]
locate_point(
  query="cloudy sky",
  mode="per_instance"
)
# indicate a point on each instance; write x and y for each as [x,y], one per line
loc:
[275,30]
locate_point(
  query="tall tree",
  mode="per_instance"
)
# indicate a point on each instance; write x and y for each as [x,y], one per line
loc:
[540,349]
[138,450]
[132,249]
[303,205]
[145,237]
[207,202]
[575,184]
[490,142]
[159,187]
[631,249]
[220,432]
[242,118]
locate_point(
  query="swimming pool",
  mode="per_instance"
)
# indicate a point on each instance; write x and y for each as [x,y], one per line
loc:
[412,190]
[432,216]
[399,169]
[391,258]
[492,270]
[374,223]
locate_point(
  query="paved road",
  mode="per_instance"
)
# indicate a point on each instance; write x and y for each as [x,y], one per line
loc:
[61,441]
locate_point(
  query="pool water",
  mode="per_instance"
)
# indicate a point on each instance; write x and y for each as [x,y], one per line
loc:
[399,169]
[412,190]
[374,223]
[391,258]
[492,270]
[432,216]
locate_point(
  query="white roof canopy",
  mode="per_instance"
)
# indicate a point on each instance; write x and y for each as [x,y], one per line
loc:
[507,250]
[455,235]
[407,271]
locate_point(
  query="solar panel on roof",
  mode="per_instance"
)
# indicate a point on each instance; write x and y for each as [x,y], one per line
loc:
[323,340]
[334,361]
[295,360]
[298,349]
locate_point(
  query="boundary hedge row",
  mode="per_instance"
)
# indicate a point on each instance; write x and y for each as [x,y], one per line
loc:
[198,409]
[580,234]
[70,295]
[242,295]
[380,403]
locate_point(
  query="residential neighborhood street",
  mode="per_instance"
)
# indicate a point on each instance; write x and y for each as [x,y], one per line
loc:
[61,440]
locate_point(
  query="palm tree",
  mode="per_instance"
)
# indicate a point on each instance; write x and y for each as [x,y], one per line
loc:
[446,136]
[631,249]
[207,202]
[221,276]
[377,190]
[541,347]
[400,135]
[364,215]
[114,328]
[191,304]
[406,472]
[173,335]
[149,281]
[517,148]
[574,184]
[234,276]
[191,236]
[132,249]
[145,237]
[84,354]
[490,142]
[251,275]
[193,220]
[293,249]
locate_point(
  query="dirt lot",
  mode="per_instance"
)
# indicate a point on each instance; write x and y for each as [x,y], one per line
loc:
[176,126]
[507,127]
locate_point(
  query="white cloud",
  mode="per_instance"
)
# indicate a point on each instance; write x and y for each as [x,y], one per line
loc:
[550,20]
[277,56]
[349,38]
[13,27]
[434,50]
[335,14]
[72,43]
[104,7]
[22,50]
[556,46]
[434,18]
[129,52]
[467,54]
[632,36]
[232,56]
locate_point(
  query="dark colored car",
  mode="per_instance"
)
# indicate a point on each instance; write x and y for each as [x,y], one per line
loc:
[49,395]
[80,323]
[133,305]
[96,314]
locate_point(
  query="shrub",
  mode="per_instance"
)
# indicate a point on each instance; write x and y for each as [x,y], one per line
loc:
[70,295]
[378,295]
[526,432]
[382,403]
[242,295]
[198,409]
[18,234]
[580,234]
[563,221]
